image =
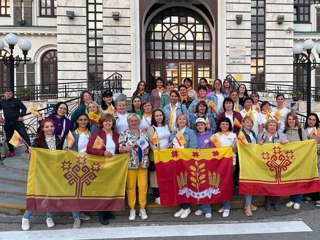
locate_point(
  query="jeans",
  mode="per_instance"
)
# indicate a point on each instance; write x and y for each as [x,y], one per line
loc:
[76,215]
[184,206]
[226,205]
[27,214]
[296,198]
[248,199]
[9,128]
[155,192]
[206,208]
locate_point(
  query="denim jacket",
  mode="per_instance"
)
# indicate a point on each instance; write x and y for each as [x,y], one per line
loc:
[194,117]
[189,136]
[180,109]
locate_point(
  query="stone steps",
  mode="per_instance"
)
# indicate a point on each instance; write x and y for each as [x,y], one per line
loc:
[12,177]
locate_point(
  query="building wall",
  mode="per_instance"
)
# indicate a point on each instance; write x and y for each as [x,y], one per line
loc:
[72,41]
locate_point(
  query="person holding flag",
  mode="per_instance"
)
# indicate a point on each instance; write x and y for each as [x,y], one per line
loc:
[183,137]
[157,92]
[280,112]
[235,117]
[94,113]
[146,115]
[203,136]
[158,134]
[253,114]
[104,142]
[217,95]
[235,98]
[246,136]
[202,112]
[107,103]
[46,139]
[312,129]
[202,97]
[13,111]
[265,113]
[138,165]
[224,138]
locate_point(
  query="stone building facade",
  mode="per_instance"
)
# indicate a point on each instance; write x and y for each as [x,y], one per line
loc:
[88,40]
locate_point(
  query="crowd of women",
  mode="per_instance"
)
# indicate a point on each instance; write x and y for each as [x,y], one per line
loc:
[196,114]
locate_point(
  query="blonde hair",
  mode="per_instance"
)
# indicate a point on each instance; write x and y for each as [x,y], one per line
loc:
[99,109]
[182,114]
[272,121]
[131,115]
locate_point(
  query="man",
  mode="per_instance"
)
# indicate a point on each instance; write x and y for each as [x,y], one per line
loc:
[13,111]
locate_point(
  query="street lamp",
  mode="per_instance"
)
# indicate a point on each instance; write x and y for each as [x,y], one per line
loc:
[9,60]
[303,55]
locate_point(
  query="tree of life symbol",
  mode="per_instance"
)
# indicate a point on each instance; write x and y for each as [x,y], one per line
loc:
[278,161]
[81,173]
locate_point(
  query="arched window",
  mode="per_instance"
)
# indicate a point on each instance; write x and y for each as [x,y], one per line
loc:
[178,45]
[49,72]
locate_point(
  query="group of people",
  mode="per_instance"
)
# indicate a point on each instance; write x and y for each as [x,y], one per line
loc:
[194,114]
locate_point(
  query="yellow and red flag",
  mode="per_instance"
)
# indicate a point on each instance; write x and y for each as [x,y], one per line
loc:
[242,138]
[98,143]
[111,109]
[15,139]
[33,110]
[70,139]
[65,181]
[194,176]
[268,114]
[277,169]
[180,138]
[315,132]
[277,115]
[93,117]
[208,126]
[213,106]
[155,139]
[237,123]
[250,114]
[236,107]
[215,141]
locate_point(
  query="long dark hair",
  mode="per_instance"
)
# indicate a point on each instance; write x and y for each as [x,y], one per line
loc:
[153,120]
[317,120]
[132,106]
[41,140]
[104,106]
[137,89]
[225,101]
[245,91]
[203,103]
[55,109]
[82,94]
[227,120]
[83,114]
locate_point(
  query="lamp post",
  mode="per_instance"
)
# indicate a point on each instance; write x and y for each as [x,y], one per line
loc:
[9,60]
[303,55]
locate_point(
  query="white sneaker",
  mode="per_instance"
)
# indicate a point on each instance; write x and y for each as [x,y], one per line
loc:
[50,222]
[296,206]
[25,225]
[84,217]
[198,212]
[77,223]
[157,200]
[186,213]
[178,214]
[289,204]
[208,215]
[221,210]
[226,213]
[132,215]
[143,214]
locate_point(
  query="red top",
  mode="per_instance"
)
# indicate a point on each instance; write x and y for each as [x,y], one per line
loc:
[102,135]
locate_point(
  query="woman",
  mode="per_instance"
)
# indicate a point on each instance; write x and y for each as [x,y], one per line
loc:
[94,112]
[265,112]
[226,87]
[191,92]
[191,142]
[157,92]
[121,116]
[203,136]
[165,97]
[136,106]
[146,116]
[141,92]
[294,133]
[202,112]
[235,117]
[46,139]
[173,109]
[110,147]
[138,166]
[256,105]
[202,96]
[203,82]
[227,138]
[312,130]
[235,98]
[158,134]
[272,135]
[280,112]
[242,94]
[62,124]
[251,137]
[85,99]
[107,103]
[217,95]
[81,137]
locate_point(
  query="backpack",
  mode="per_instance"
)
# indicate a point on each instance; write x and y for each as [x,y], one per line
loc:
[299,132]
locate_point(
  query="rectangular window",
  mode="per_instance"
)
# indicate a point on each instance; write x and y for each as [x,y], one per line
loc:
[48,8]
[4,7]
[302,10]
[318,19]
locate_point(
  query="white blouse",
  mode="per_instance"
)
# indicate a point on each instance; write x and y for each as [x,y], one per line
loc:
[163,135]
[110,145]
